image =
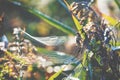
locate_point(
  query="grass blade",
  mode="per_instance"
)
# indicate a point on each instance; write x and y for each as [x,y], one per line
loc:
[48,41]
[111,20]
[55,75]
[80,71]
[78,26]
[46,18]
[55,56]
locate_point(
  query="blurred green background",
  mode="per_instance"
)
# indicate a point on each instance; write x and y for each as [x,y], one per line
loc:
[18,16]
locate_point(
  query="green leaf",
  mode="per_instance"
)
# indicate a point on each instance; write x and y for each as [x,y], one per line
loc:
[55,75]
[79,27]
[56,59]
[84,59]
[80,71]
[111,20]
[47,41]
[55,56]
[118,3]
[98,59]
[46,18]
